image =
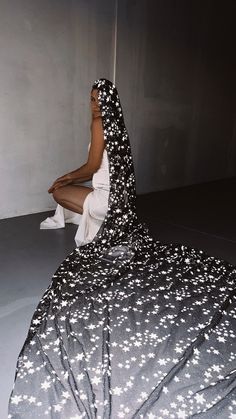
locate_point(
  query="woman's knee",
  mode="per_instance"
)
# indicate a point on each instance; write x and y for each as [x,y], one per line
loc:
[57,195]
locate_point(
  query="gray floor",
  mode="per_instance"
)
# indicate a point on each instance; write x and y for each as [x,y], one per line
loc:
[202,216]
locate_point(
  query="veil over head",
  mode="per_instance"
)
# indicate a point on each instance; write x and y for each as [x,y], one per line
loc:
[120,225]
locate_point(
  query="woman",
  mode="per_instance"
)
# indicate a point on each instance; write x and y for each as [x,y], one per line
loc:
[74,197]
[129,327]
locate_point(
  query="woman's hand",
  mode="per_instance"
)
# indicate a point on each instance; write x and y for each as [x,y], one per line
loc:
[61,181]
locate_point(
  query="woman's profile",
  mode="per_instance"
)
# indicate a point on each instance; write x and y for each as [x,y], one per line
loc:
[129,327]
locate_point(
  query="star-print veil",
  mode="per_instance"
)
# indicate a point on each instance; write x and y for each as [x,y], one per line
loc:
[130,327]
[121,224]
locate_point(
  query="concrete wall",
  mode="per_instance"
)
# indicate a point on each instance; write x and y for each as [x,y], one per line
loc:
[175,72]
[51,52]
[176,77]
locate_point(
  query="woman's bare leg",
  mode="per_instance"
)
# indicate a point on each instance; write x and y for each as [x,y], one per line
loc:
[72,197]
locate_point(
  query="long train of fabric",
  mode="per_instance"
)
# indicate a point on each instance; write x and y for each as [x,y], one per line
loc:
[130,327]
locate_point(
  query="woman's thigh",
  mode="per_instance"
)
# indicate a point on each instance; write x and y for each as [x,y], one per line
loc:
[72,195]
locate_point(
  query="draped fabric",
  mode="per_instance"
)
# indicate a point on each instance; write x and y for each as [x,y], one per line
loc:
[130,327]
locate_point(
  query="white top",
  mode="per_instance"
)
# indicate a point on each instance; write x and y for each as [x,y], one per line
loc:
[95,204]
[101,178]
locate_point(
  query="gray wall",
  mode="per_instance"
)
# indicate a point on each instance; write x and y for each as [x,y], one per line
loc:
[51,51]
[175,72]
[176,76]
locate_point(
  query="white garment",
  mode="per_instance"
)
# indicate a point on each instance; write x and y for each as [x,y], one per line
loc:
[95,204]
[94,208]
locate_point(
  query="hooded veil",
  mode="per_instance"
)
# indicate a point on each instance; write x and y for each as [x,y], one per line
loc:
[120,225]
[129,327]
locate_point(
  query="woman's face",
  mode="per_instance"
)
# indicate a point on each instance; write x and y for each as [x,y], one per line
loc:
[95,108]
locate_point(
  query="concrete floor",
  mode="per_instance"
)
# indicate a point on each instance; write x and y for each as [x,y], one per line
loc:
[202,216]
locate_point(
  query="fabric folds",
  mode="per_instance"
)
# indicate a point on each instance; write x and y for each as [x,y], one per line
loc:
[130,327]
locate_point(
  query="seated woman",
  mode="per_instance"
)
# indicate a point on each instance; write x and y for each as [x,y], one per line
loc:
[91,203]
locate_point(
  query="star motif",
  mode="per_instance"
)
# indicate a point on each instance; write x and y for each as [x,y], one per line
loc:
[96,380]
[221,339]
[45,385]
[28,364]
[57,407]
[79,357]
[65,394]
[117,391]
[199,398]
[16,399]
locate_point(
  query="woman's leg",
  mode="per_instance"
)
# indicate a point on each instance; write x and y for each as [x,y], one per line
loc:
[72,197]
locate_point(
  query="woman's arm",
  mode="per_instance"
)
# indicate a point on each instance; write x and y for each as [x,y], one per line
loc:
[93,163]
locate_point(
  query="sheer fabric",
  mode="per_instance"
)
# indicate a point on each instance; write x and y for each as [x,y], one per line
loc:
[130,327]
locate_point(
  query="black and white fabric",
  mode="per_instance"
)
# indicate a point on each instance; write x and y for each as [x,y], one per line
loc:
[130,327]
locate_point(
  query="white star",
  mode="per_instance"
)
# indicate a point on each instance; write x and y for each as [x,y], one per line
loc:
[79,357]
[117,391]
[96,380]
[153,336]
[91,326]
[16,399]
[28,364]
[216,368]
[221,339]
[126,410]
[45,385]
[151,355]
[80,376]
[199,398]
[57,407]
[65,394]
[162,361]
